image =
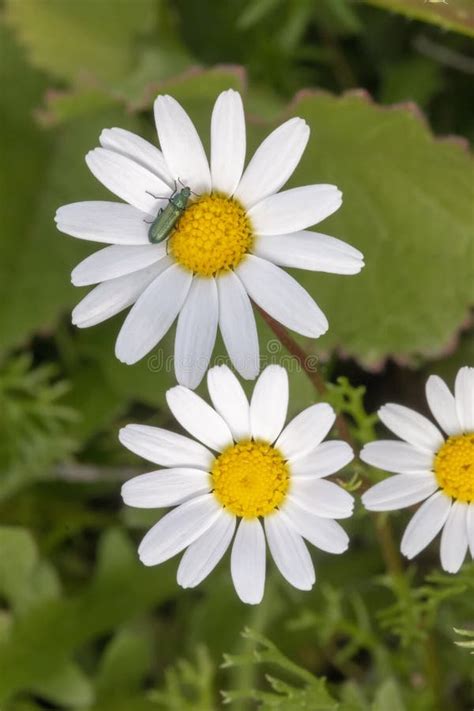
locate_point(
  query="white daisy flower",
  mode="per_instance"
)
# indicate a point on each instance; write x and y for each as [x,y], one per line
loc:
[430,466]
[261,479]
[224,249]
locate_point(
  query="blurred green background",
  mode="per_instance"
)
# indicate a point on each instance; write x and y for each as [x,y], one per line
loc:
[387,88]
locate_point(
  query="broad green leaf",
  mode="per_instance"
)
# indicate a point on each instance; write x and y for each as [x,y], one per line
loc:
[407,206]
[35,283]
[93,38]
[455,15]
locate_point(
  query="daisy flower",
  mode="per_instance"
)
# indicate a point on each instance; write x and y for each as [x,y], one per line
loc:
[430,466]
[248,475]
[226,247]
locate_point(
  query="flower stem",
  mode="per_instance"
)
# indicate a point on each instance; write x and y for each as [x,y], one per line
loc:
[304,360]
[389,550]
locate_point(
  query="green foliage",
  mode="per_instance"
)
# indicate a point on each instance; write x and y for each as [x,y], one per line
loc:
[349,400]
[311,693]
[467,644]
[35,427]
[456,15]
[83,625]
[57,34]
[120,590]
[188,686]
[412,615]
[396,179]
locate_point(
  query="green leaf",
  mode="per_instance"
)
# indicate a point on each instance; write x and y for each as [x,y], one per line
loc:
[388,696]
[36,276]
[46,636]
[91,38]
[66,685]
[125,664]
[408,207]
[25,581]
[467,644]
[15,545]
[34,423]
[189,686]
[455,15]
[310,695]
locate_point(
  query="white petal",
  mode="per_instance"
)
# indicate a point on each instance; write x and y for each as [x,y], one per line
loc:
[178,529]
[237,325]
[277,293]
[198,418]
[181,145]
[425,524]
[247,561]
[168,449]
[229,400]
[203,555]
[322,498]
[109,222]
[412,427]
[115,261]
[127,179]
[454,541]
[139,150]
[166,487]
[306,431]
[398,457]
[326,459]
[269,403]
[310,250]
[442,405]
[295,209]
[196,332]
[228,142]
[114,295]
[153,314]
[273,162]
[399,491]
[470,528]
[324,533]
[464,392]
[289,552]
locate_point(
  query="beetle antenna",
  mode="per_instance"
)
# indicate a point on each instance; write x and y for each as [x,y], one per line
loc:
[157,197]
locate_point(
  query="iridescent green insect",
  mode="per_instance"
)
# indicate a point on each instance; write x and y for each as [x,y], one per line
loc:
[168,216]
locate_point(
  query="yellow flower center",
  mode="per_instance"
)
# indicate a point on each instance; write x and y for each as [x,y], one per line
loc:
[250,478]
[454,467]
[212,235]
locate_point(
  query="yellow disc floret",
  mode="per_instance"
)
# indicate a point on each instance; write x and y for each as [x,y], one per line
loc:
[250,478]
[212,235]
[454,467]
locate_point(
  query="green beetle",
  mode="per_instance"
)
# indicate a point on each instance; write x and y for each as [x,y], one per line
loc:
[167,217]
